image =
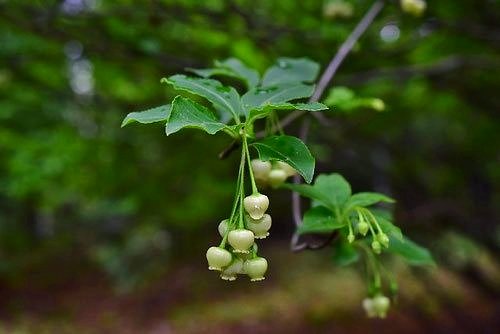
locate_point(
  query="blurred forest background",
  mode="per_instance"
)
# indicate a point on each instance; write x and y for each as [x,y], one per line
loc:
[105,229]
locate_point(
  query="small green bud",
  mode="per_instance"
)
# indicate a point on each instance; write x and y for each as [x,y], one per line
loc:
[241,240]
[377,248]
[260,169]
[235,268]
[289,170]
[256,268]
[350,238]
[260,227]
[378,105]
[363,228]
[223,226]
[277,177]
[383,239]
[256,205]
[218,258]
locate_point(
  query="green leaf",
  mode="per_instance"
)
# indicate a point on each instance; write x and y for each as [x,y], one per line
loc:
[260,97]
[410,251]
[367,199]
[210,72]
[223,98]
[335,186]
[310,192]
[158,114]
[291,70]
[290,150]
[344,253]
[267,109]
[186,113]
[388,227]
[331,190]
[247,74]
[231,67]
[319,220]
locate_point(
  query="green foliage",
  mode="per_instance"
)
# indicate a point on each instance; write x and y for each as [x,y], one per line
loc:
[320,220]
[290,70]
[410,251]
[339,210]
[231,67]
[64,157]
[224,99]
[158,114]
[287,149]
[189,114]
[283,84]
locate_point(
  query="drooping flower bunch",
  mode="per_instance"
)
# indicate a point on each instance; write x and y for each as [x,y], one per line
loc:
[237,252]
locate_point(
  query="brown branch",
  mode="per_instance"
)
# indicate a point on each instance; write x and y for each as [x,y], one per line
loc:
[324,81]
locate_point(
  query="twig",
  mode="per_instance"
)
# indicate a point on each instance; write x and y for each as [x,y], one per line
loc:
[324,81]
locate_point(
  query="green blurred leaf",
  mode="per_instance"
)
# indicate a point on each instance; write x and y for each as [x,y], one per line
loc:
[367,199]
[291,70]
[290,150]
[260,97]
[389,228]
[186,113]
[247,74]
[331,190]
[319,220]
[335,187]
[223,98]
[410,251]
[267,109]
[344,253]
[158,114]
[231,67]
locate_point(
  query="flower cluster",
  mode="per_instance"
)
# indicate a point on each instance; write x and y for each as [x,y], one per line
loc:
[366,222]
[271,174]
[240,257]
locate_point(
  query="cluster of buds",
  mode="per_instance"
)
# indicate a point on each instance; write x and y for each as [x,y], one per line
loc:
[368,223]
[240,257]
[413,7]
[377,306]
[271,174]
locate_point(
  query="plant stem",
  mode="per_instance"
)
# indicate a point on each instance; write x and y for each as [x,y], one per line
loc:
[241,223]
[237,199]
[250,171]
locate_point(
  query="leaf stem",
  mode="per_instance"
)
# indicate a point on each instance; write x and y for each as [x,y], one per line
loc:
[250,171]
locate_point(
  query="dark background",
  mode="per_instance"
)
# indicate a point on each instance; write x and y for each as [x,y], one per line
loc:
[104,229]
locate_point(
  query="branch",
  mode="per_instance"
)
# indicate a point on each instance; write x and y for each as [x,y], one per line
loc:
[324,81]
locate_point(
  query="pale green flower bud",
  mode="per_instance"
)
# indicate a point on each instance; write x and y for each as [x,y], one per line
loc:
[230,273]
[259,227]
[241,240]
[277,177]
[377,248]
[256,268]
[218,258]
[256,205]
